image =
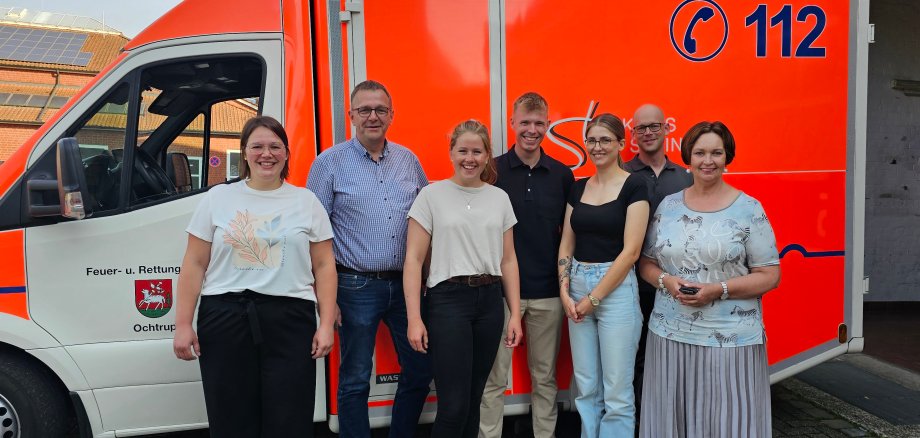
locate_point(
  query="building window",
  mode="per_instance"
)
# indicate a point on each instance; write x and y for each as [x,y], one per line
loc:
[233,164]
[194,166]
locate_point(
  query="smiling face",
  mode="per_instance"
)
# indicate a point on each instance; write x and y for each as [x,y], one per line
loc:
[371,130]
[707,158]
[603,146]
[469,157]
[265,154]
[647,119]
[529,128]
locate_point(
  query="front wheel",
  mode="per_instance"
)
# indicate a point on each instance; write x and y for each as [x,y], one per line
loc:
[33,404]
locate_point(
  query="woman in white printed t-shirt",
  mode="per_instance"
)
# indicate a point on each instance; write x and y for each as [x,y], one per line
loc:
[260,257]
[466,223]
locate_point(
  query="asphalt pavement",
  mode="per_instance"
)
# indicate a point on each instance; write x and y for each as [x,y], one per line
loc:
[875,394]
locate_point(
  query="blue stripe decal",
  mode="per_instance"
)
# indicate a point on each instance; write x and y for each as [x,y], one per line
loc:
[12,290]
[806,253]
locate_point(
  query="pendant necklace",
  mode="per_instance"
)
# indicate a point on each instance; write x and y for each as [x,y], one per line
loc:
[469,198]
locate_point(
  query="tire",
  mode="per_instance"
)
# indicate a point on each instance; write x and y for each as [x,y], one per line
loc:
[33,403]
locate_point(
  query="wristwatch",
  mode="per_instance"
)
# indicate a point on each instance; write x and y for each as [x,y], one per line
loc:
[724,290]
[594,301]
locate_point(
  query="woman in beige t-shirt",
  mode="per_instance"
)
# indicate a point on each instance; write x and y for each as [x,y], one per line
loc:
[466,223]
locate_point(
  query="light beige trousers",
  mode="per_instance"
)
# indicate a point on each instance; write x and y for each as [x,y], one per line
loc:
[542,320]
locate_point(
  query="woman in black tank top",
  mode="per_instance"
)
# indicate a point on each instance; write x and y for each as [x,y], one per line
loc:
[605,223]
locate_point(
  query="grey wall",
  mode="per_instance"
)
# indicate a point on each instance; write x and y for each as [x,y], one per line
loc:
[893,148]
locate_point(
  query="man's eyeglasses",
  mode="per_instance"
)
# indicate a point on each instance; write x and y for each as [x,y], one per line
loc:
[651,127]
[365,112]
[603,141]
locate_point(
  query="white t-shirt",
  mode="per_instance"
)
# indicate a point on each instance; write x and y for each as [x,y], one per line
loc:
[260,240]
[467,226]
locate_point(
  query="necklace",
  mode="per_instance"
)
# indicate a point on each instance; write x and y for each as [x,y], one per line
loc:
[467,195]
[469,199]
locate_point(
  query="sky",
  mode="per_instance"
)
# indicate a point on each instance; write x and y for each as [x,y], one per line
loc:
[128,16]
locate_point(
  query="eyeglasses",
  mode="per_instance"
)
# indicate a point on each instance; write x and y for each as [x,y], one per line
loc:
[603,141]
[259,148]
[365,112]
[651,127]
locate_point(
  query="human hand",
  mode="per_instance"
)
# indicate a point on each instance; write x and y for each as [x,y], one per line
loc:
[584,308]
[568,306]
[672,284]
[570,309]
[338,316]
[185,342]
[707,293]
[322,341]
[515,334]
[418,336]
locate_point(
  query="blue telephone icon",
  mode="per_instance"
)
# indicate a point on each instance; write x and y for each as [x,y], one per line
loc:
[704,14]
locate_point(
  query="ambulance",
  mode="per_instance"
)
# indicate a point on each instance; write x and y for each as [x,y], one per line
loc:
[94,205]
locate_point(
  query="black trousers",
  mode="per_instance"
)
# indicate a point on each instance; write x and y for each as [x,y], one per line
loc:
[258,377]
[465,327]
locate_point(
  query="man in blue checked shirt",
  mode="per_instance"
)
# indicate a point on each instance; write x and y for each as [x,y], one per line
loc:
[367,185]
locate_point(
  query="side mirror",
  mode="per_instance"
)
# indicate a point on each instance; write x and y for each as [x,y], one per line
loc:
[71,182]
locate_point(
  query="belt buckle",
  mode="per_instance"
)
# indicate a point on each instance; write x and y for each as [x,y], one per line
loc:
[476,280]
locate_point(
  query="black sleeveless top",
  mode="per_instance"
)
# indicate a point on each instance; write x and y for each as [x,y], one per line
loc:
[599,228]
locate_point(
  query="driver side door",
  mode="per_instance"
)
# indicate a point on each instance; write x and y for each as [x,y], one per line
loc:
[104,286]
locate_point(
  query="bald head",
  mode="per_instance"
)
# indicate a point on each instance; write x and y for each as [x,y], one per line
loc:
[649,129]
[649,110]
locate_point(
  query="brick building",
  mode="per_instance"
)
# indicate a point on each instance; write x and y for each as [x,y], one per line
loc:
[46,58]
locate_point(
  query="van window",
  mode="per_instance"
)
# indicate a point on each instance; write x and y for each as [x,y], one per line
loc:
[189,114]
[102,140]
[227,122]
[192,113]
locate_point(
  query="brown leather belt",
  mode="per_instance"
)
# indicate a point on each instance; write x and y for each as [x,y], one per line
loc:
[475,280]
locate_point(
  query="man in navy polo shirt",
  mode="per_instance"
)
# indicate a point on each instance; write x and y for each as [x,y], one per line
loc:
[538,187]
[650,127]
[367,185]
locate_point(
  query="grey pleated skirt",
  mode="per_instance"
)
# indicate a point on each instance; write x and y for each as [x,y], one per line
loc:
[704,392]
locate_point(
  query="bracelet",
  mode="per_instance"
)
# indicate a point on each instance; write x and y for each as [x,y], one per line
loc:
[661,277]
[724,290]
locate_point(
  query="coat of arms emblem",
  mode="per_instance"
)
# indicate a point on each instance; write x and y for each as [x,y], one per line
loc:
[153,298]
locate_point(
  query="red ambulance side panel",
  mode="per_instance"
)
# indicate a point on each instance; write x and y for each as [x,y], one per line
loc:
[788,112]
[13,275]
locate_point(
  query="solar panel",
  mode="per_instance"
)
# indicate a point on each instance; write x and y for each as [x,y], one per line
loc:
[41,45]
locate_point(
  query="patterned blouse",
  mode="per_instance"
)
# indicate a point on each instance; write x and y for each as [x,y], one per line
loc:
[709,247]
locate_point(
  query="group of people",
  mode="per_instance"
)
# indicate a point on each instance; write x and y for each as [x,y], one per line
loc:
[460,269]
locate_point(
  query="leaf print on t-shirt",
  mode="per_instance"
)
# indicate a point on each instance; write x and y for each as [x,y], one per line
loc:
[255,241]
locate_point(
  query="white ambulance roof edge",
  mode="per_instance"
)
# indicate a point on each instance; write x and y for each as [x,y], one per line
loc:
[234,36]
[139,57]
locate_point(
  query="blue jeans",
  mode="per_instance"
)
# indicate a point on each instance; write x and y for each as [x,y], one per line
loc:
[604,354]
[364,302]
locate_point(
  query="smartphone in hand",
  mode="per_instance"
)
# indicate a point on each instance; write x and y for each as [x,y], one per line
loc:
[689,290]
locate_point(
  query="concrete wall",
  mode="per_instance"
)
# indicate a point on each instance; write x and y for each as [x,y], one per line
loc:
[893,147]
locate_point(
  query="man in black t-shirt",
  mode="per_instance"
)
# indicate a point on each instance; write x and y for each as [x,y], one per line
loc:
[650,127]
[538,187]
